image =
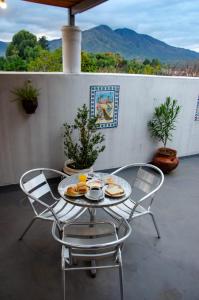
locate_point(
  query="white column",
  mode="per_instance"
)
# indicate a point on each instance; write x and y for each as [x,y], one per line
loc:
[71,49]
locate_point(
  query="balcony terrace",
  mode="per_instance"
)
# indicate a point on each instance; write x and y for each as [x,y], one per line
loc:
[154,269]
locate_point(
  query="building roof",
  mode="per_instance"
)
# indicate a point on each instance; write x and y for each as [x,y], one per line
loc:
[76,6]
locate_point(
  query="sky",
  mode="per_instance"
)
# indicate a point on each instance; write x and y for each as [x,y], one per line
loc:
[175,22]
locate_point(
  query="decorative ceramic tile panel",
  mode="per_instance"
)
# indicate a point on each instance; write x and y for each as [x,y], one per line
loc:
[104,104]
[197,111]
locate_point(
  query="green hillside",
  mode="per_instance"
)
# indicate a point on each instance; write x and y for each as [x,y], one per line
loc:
[128,43]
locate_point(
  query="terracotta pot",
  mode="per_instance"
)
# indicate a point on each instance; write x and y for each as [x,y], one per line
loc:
[30,106]
[71,171]
[166,159]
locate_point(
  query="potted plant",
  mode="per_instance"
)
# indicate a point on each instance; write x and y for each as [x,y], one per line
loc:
[27,95]
[82,154]
[161,127]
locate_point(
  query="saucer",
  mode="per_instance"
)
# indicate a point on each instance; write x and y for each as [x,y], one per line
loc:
[88,196]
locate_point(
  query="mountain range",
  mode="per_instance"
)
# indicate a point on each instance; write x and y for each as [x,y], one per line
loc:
[128,43]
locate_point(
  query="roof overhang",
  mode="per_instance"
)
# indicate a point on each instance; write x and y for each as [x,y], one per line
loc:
[75,6]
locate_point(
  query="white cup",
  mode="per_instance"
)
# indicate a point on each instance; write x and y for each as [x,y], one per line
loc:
[95,192]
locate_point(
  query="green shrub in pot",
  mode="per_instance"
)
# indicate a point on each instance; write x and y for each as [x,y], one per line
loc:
[83,151]
[161,127]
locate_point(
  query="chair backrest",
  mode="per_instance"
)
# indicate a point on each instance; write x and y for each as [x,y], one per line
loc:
[96,240]
[147,179]
[35,185]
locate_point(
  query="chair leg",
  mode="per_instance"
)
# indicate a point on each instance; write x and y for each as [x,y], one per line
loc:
[60,233]
[64,284]
[121,280]
[155,224]
[27,228]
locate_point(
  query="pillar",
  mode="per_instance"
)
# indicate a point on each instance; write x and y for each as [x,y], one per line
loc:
[71,49]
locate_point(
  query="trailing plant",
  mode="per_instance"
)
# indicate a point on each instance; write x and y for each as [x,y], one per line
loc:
[26,93]
[85,151]
[163,121]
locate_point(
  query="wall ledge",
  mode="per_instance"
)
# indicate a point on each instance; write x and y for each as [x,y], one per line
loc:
[97,74]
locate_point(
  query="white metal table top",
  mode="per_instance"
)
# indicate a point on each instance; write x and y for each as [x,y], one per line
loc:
[84,202]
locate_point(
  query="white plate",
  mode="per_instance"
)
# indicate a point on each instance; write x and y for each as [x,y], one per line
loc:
[109,180]
[87,195]
[73,196]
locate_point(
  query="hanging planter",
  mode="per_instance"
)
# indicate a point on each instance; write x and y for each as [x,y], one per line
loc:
[27,96]
[30,106]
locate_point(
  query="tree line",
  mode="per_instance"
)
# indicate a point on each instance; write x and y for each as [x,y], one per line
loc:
[27,53]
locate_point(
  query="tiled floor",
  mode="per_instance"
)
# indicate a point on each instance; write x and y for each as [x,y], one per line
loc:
[165,269]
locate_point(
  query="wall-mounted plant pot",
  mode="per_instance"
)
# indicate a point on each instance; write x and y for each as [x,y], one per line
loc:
[69,170]
[30,106]
[166,159]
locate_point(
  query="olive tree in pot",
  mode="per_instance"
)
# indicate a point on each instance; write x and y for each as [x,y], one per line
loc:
[82,154]
[161,127]
[27,95]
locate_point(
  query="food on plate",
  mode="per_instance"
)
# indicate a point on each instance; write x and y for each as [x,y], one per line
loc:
[71,191]
[109,180]
[79,184]
[76,190]
[114,190]
[82,187]
[94,183]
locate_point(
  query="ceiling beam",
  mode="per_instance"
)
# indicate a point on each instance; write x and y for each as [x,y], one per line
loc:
[76,7]
[85,5]
[60,3]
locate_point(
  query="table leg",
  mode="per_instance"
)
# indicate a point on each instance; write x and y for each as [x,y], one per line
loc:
[92,212]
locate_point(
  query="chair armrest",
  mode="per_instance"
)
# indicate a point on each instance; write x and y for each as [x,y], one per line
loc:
[89,231]
[95,246]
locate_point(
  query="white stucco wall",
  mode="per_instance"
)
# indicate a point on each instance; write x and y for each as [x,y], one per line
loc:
[36,140]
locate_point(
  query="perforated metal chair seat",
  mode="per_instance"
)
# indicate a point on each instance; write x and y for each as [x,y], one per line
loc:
[88,236]
[124,210]
[45,204]
[98,234]
[63,210]
[95,241]
[146,183]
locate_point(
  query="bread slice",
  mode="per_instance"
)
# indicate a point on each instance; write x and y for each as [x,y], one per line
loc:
[114,190]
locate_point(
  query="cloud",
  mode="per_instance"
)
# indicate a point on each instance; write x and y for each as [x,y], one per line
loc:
[33,17]
[173,21]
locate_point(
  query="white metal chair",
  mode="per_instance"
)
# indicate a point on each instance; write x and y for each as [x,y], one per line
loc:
[43,202]
[147,180]
[96,241]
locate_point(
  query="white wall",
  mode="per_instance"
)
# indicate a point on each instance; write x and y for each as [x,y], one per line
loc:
[36,140]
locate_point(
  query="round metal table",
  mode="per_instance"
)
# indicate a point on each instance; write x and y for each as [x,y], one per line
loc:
[84,202]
